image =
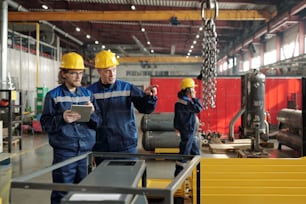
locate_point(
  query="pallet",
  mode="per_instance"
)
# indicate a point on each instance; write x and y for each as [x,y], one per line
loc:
[249,154]
[230,146]
[15,142]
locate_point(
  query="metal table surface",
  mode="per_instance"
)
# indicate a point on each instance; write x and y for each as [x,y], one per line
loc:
[111,173]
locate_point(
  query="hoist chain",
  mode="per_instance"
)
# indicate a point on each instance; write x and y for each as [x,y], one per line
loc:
[209,70]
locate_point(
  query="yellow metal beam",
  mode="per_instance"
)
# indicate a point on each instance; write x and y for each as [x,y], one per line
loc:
[260,180]
[167,150]
[159,15]
[160,59]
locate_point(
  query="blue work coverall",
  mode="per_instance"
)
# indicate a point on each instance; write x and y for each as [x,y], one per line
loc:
[119,131]
[68,139]
[185,122]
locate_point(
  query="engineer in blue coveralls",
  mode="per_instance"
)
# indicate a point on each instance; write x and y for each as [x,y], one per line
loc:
[117,100]
[68,137]
[185,122]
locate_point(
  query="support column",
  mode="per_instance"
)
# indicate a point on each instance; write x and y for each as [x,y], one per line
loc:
[3,56]
[278,48]
[301,31]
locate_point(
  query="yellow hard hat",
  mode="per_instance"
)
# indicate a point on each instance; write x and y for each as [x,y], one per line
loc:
[187,83]
[105,59]
[72,60]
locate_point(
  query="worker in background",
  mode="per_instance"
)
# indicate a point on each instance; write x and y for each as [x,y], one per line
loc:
[185,122]
[68,137]
[117,100]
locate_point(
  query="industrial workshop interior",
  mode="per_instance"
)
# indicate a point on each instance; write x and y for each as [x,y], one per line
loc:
[246,58]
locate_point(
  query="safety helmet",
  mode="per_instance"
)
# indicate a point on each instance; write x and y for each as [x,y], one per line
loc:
[72,60]
[187,83]
[105,59]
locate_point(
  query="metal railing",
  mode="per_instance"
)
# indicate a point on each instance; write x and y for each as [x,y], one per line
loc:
[167,194]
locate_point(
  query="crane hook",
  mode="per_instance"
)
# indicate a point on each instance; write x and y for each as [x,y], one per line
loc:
[210,4]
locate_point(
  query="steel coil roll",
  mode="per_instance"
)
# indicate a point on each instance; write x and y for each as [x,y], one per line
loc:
[159,139]
[290,118]
[157,122]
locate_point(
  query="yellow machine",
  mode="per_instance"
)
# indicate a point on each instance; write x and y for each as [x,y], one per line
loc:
[251,180]
[244,180]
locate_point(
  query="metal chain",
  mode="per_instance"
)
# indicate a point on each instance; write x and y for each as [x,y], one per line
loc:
[209,53]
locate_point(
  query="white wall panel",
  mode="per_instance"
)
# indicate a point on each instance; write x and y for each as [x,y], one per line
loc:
[48,71]
[13,66]
[22,67]
[290,43]
[270,52]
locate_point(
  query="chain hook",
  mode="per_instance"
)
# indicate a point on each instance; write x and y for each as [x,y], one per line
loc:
[210,4]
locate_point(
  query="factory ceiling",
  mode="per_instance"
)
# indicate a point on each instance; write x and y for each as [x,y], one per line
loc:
[169,29]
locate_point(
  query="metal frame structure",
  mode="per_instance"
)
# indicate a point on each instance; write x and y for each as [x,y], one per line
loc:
[303,150]
[12,122]
[166,193]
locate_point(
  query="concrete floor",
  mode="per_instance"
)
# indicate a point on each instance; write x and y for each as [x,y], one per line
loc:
[37,154]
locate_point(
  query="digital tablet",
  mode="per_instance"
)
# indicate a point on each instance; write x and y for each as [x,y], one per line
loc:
[83,110]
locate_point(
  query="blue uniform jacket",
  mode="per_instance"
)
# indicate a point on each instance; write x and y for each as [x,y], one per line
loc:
[76,136]
[185,115]
[119,131]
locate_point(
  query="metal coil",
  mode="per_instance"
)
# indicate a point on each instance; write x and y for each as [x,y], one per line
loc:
[157,122]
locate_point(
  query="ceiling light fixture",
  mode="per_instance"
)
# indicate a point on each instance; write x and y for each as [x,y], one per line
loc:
[88,36]
[96,42]
[133,7]
[77,29]
[44,6]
